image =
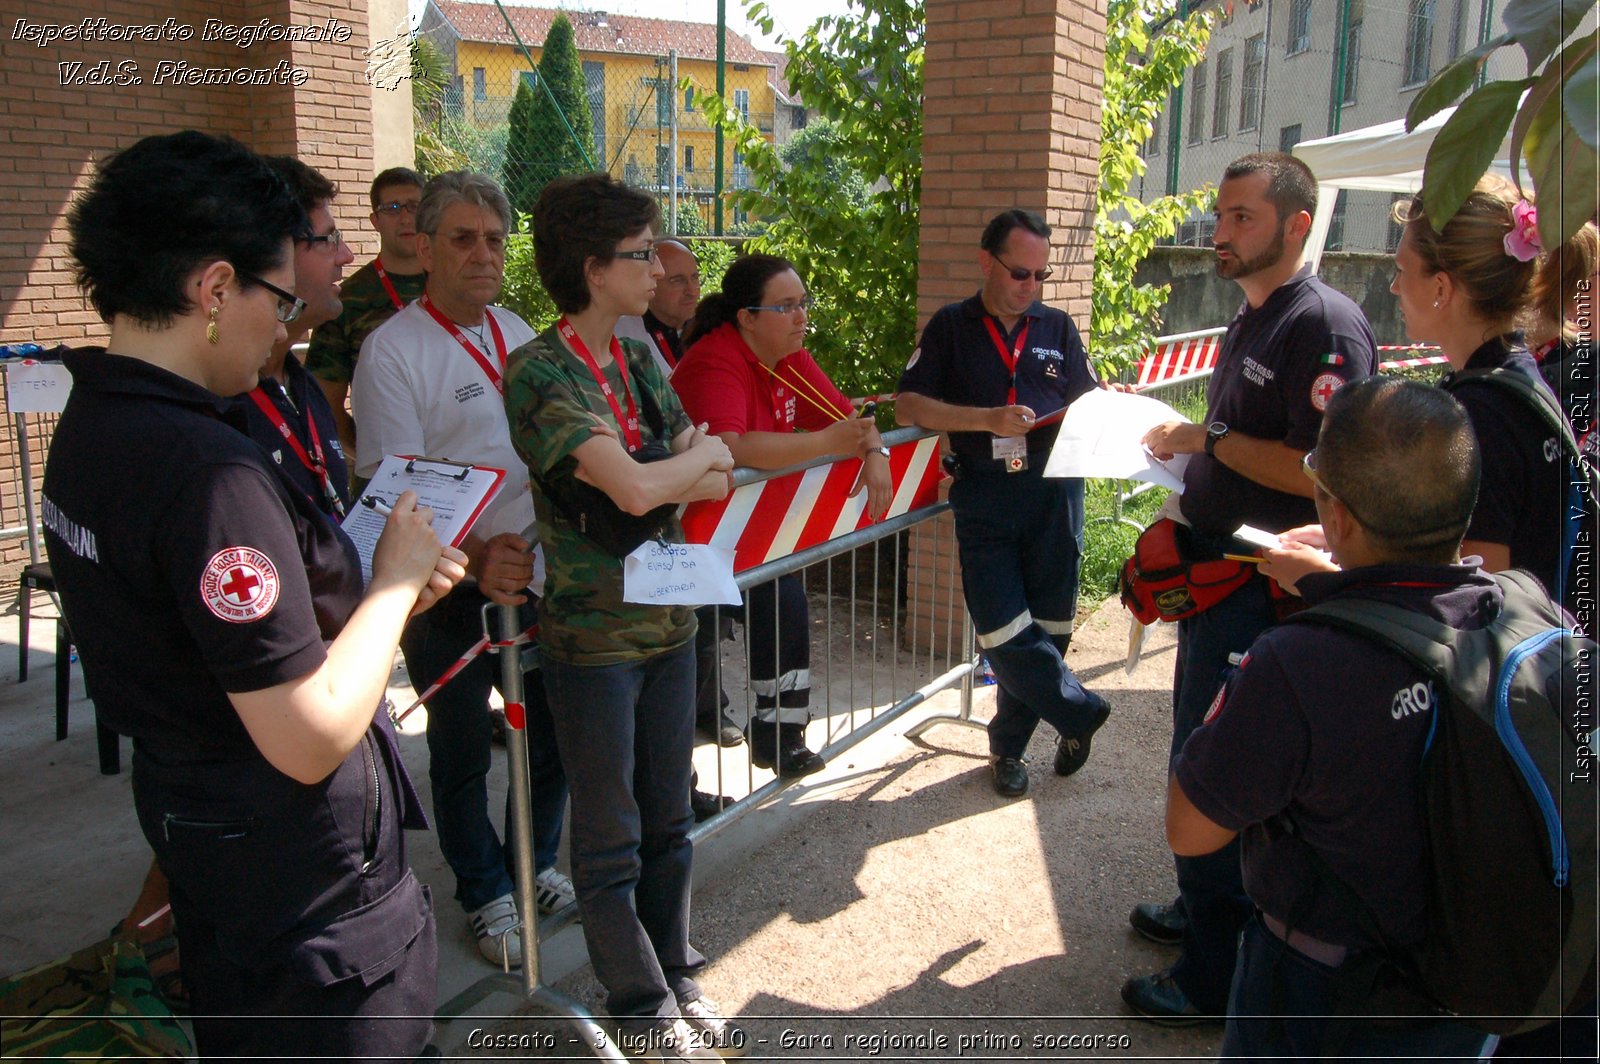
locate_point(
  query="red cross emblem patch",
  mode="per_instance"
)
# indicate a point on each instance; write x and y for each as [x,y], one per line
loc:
[1322,389]
[239,584]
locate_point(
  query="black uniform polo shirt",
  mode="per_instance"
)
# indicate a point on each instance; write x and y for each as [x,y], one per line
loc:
[1523,490]
[304,404]
[957,363]
[673,349]
[1279,364]
[1331,729]
[188,566]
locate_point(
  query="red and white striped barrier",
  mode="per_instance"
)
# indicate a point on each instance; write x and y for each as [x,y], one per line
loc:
[773,518]
[1435,359]
[1178,358]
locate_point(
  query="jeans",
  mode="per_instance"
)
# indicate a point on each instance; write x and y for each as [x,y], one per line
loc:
[1289,1020]
[1211,887]
[626,732]
[459,750]
[1019,536]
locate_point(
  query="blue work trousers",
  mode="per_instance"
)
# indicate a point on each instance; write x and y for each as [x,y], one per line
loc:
[459,750]
[626,733]
[1279,1005]
[1020,536]
[1211,888]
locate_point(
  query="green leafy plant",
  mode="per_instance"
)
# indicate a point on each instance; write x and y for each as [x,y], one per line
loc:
[1555,128]
[862,73]
[1148,49]
[552,131]
[430,81]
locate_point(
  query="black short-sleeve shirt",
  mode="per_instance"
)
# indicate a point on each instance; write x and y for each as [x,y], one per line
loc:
[188,566]
[957,362]
[1323,730]
[1279,364]
[1523,490]
[302,406]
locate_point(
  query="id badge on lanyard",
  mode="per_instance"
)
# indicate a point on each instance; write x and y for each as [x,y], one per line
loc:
[1010,451]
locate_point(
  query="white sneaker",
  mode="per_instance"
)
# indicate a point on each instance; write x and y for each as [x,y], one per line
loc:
[713,1029]
[553,891]
[496,926]
[667,1041]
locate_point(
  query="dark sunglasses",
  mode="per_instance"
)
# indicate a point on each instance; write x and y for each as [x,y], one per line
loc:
[1018,274]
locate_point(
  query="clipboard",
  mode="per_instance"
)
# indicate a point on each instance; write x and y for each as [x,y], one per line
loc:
[456,492]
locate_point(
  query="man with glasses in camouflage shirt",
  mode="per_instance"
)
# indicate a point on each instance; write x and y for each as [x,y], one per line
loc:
[371,295]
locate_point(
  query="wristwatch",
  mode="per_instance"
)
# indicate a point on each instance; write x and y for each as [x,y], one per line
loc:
[881,450]
[1214,432]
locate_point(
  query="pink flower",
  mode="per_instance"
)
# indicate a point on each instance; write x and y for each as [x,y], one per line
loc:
[1522,242]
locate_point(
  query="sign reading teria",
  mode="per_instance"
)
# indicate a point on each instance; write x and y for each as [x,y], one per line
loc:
[239,584]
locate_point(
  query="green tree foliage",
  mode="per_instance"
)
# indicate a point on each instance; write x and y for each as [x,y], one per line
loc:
[1555,128]
[517,175]
[555,134]
[1147,51]
[430,117]
[862,73]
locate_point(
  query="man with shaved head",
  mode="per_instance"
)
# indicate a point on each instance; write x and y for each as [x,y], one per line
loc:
[673,305]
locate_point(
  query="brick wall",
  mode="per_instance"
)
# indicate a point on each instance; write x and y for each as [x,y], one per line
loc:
[1011,118]
[52,129]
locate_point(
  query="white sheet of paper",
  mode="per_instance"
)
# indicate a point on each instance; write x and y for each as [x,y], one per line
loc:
[680,574]
[37,387]
[1102,435]
[455,493]
[1256,537]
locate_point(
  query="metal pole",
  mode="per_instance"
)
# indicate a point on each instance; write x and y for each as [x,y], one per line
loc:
[722,81]
[28,509]
[548,1001]
[672,99]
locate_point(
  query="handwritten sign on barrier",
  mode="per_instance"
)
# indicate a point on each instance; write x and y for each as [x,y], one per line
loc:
[37,387]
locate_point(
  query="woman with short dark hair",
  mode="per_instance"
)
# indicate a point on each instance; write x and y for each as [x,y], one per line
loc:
[223,624]
[585,408]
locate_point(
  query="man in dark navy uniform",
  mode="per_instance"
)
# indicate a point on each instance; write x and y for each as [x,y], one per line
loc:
[987,370]
[1291,346]
[1324,731]
[287,412]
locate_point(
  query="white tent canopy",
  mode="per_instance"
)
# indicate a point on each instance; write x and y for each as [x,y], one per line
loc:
[1380,158]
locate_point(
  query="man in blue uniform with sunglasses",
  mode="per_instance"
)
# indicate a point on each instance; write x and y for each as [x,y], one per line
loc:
[987,371]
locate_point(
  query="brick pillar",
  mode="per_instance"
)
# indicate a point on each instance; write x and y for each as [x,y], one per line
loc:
[1011,118]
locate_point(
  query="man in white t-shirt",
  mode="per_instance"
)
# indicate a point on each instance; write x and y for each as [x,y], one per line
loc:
[428,383]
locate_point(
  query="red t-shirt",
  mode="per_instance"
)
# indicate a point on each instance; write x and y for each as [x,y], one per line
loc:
[721,383]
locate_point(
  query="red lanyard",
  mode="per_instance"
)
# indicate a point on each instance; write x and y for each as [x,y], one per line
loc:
[666,349]
[489,368]
[630,424]
[313,461]
[1010,358]
[388,285]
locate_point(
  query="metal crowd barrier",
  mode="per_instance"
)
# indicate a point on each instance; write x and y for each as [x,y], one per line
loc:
[913,633]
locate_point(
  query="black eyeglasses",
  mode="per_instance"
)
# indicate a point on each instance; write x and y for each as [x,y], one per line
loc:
[290,306]
[396,206]
[796,307]
[642,255]
[332,238]
[1019,274]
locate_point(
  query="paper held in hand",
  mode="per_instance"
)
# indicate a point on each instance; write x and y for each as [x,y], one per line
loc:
[1102,435]
[455,493]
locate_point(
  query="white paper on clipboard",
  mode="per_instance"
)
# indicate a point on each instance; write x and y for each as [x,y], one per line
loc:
[456,494]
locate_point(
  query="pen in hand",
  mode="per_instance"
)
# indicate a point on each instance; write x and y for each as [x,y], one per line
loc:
[372,502]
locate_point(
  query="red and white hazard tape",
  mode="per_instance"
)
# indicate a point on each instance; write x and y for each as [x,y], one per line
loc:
[1410,363]
[773,518]
[462,662]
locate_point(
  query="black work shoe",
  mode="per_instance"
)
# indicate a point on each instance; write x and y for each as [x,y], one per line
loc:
[1159,999]
[1072,751]
[497,727]
[706,806]
[721,731]
[1161,922]
[782,747]
[1010,777]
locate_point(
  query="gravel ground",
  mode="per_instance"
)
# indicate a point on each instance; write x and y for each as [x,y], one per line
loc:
[915,915]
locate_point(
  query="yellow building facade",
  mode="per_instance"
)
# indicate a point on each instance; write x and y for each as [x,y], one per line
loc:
[627,70]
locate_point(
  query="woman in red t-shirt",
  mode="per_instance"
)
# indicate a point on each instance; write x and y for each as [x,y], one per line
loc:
[747,375]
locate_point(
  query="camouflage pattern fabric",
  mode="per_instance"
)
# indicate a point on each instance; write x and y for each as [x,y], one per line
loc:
[99,1002]
[335,345]
[551,400]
